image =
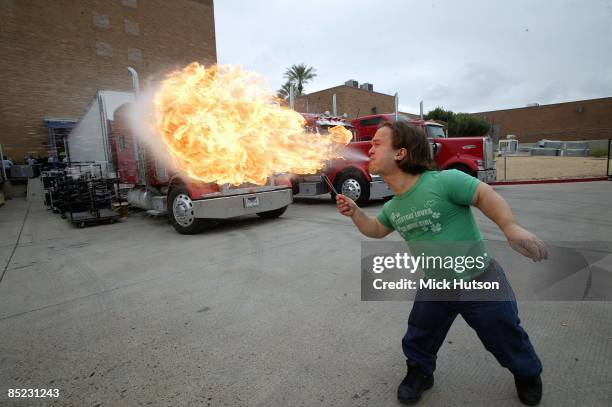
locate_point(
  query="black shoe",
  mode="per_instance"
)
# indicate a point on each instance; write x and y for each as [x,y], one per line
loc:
[414,384]
[529,390]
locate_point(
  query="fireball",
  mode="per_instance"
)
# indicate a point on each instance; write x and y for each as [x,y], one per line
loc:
[220,124]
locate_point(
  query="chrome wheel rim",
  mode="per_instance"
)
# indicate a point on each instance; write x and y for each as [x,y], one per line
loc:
[351,188]
[182,209]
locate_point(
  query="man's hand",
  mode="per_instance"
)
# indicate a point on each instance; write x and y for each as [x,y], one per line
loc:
[346,206]
[370,227]
[496,208]
[526,243]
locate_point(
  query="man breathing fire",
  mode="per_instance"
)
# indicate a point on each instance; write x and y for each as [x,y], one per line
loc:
[401,154]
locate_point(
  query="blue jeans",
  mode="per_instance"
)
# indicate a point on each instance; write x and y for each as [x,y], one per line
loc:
[496,323]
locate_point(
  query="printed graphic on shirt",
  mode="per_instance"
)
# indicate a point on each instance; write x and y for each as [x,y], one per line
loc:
[425,219]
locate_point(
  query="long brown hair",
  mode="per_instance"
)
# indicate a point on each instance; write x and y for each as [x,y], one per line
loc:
[419,158]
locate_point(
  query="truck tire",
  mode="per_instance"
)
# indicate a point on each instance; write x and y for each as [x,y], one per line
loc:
[180,212]
[273,213]
[353,185]
[463,168]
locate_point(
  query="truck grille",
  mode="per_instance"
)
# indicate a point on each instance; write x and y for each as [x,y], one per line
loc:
[247,188]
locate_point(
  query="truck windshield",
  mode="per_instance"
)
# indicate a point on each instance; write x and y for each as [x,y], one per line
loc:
[435,131]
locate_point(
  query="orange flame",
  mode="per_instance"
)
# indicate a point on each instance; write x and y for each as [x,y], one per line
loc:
[221,125]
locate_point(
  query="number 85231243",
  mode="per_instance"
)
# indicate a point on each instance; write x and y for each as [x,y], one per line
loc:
[33,393]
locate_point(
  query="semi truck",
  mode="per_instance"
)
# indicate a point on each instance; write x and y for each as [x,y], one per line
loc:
[472,155]
[350,175]
[106,136]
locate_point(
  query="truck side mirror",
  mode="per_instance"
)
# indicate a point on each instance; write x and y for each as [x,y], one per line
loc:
[435,149]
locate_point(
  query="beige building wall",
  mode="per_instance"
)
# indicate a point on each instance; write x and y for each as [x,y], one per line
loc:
[354,102]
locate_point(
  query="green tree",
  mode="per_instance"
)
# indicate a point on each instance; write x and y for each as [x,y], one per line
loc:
[464,125]
[300,75]
[440,114]
[459,124]
[283,92]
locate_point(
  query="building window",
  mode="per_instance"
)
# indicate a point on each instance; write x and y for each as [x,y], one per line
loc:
[104,49]
[374,110]
[134,54]
[129,3]
[100,20]
[132,27]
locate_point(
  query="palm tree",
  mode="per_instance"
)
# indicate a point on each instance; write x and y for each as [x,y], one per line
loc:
[283,92]
[300,75]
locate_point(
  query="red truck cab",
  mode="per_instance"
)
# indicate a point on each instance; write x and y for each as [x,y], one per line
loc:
[472,155]
[349,174]
[189,204]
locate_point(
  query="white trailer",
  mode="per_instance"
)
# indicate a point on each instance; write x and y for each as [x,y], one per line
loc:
[89,139]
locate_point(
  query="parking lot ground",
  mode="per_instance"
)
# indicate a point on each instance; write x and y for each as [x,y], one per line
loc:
[266,312]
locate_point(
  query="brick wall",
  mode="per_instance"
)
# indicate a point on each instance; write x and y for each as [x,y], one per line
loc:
[354,102]
[580,120]
[57,54]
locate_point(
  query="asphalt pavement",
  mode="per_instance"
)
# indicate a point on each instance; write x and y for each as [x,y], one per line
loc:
[267,312]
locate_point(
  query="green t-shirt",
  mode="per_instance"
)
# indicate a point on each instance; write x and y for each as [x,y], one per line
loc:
[437,208]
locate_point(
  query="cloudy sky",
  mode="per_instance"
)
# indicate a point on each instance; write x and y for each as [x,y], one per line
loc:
[469,55]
